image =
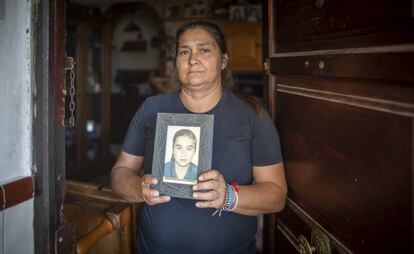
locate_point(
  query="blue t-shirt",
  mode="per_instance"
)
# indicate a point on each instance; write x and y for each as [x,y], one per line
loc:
[241,139]
[191,174]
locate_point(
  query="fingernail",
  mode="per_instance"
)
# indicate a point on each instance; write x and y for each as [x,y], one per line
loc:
[197,204]
[195,195]
[201,178]
[194,187]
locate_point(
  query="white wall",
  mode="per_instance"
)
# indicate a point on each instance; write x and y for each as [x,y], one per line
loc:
[16,223]
[145,60]
[18,228]
[15,86]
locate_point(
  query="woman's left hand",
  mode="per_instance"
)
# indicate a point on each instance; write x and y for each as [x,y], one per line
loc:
[213,181]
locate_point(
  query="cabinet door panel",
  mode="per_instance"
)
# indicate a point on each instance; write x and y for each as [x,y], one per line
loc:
[244,43]
[348,164]
[342,96]
[321,24]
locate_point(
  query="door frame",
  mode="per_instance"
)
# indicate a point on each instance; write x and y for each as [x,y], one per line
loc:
[48,130]
[269,220]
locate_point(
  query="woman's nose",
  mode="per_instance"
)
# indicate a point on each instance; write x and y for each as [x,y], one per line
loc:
[193,58]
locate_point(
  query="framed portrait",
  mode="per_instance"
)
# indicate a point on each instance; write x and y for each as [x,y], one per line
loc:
[199,8]
[182,151]
[172,10]
[237,13]
[254,13]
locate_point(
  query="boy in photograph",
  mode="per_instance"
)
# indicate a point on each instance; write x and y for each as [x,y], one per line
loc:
[180,166]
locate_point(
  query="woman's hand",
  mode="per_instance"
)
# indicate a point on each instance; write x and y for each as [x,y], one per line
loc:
[150,196]
[213,181]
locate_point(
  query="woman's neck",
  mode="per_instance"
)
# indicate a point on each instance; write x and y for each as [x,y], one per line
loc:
[200,101]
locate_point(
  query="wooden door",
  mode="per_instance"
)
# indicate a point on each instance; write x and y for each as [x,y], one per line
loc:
[244,42]
[48,128]
[341,91]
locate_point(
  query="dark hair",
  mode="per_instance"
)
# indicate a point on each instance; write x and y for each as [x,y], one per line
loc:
[185,133]
[226,73]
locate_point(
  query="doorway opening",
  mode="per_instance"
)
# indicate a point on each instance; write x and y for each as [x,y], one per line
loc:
[117,49]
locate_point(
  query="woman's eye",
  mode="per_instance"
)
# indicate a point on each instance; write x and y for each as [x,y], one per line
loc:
[184,52]
[205,50]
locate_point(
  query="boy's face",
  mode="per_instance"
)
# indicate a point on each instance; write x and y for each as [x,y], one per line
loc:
[183,150]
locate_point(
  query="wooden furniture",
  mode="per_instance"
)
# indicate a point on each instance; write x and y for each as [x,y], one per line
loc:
[245,45]
[341,90]
[244,41]
[103,223]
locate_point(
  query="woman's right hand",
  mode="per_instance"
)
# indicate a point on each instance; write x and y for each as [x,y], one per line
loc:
[151,196]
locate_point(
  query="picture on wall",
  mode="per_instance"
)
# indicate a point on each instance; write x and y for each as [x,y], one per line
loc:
[237,13]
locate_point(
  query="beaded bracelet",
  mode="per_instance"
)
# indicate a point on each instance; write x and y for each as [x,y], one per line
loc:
[235,203]
[219,210]
[231,199]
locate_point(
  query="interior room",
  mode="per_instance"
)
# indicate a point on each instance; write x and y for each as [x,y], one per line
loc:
[123,54]
[336,82]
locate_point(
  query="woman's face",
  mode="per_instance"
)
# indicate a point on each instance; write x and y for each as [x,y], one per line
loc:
[183,150]
[199,61]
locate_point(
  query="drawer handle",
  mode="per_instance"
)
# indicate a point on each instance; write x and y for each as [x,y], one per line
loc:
[304,246]
[320,243]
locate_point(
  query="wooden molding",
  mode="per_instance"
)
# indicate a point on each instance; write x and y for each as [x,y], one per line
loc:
[16,192]
[366,66]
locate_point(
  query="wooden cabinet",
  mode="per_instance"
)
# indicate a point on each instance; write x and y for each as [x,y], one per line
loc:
[245,42]
[103,223]
[341,90]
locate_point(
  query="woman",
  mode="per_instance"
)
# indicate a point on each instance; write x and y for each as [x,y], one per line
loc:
[246,152]
[183,149]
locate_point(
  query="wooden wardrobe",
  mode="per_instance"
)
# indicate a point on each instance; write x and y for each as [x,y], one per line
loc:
[341,91]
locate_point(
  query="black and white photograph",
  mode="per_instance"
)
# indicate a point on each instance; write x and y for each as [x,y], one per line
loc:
[182,151]
[181,154]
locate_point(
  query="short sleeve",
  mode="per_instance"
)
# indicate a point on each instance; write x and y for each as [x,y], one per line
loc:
[134,141]
[265,142]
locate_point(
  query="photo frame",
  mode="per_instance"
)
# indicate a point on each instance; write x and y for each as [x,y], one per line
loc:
[182,151]
[199,9]
[237,13]
[254,13]
[172,10]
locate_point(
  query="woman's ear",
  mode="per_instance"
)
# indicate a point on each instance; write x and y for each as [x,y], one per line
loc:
[224,60]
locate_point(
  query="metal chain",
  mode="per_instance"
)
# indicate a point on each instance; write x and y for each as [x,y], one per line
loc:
[72,97]
[70,66]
